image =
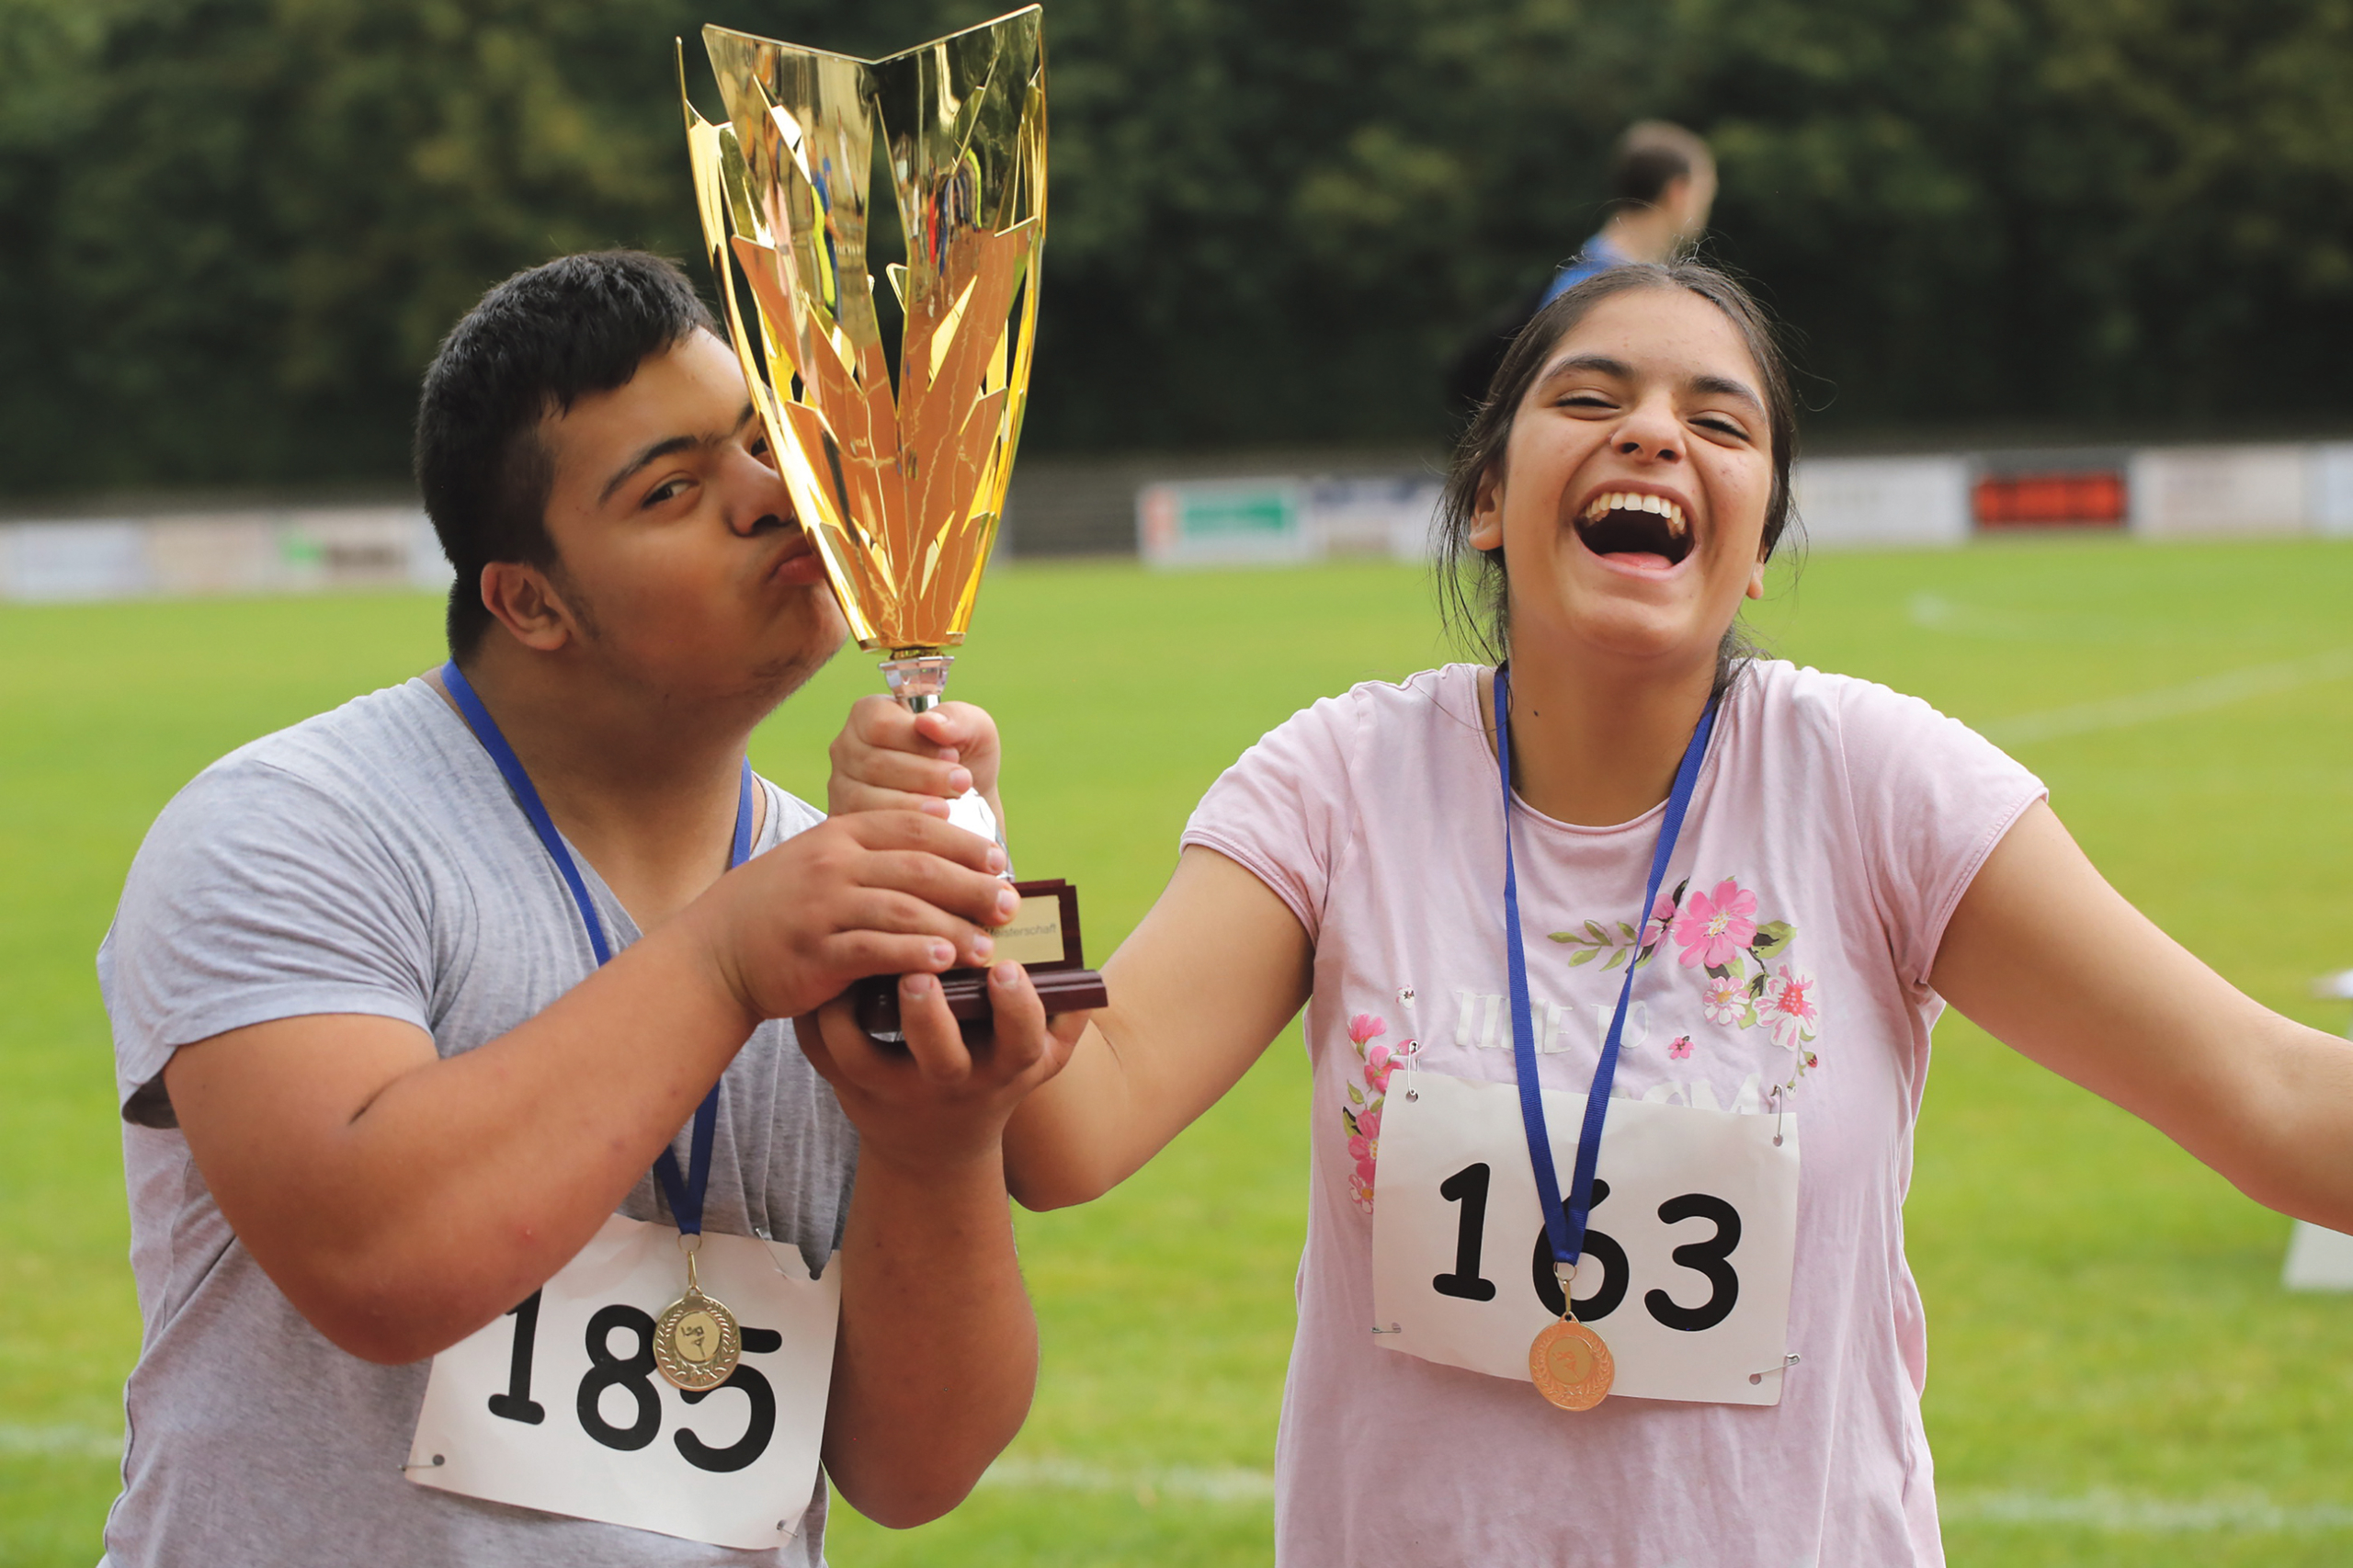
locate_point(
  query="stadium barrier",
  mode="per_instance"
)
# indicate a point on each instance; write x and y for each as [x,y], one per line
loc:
[1294,508]
[299,550]
[1876,503]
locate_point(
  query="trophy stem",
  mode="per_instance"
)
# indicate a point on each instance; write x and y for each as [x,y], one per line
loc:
[919,680]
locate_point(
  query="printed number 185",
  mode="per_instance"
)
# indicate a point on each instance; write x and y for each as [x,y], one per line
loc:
[634,1372]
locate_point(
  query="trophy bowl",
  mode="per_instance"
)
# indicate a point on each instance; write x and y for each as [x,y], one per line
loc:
[902,485]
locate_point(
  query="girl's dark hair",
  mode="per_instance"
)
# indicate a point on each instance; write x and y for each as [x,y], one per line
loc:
[1473,595]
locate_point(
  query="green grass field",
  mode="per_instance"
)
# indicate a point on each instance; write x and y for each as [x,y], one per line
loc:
[2116,1375]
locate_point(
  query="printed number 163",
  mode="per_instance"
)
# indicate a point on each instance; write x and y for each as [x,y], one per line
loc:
[1708,1257]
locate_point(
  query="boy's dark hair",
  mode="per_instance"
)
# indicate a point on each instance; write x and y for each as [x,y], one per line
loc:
[1651,155]
[533,345]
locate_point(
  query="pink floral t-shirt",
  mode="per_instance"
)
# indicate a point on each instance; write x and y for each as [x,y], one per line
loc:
[1834,825]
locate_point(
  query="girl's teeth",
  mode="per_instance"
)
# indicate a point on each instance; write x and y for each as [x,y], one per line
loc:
[1621,501]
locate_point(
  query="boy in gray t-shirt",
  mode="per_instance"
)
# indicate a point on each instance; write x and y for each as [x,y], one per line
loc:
[378,1089]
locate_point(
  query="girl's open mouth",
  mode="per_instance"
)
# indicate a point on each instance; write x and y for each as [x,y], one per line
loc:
[1619,522]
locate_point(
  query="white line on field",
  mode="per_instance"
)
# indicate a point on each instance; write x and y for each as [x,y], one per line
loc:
[1934,613]
[2112,1513]
[1207,1483]
[2170,702]
[2120,1513]
[60,1442]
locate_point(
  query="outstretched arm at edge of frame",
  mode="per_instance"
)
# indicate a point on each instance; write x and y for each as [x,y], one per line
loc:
[2053,962]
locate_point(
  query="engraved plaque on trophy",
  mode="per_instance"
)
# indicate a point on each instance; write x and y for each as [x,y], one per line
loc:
[899,486]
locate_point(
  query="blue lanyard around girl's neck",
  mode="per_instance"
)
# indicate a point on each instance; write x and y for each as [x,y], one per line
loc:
[685,1195]
[1566,1227]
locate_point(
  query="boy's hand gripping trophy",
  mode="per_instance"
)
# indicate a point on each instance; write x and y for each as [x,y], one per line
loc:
[899,491]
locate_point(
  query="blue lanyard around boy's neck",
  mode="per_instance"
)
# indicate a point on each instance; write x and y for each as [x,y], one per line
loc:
[685,1195]
[1566,1227]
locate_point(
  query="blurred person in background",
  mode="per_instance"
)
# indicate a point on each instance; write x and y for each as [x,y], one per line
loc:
[1722,899]
[1662,185]
[381,1087]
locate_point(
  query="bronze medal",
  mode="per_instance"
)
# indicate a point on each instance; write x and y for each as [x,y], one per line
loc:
[1571,1365]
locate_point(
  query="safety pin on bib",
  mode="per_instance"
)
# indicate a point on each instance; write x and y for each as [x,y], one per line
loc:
[1412,1050]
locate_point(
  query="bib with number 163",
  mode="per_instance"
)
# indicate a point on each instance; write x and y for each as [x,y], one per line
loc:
[1686,1263]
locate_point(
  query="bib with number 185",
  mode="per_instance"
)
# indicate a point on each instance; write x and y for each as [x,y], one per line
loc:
[558,1406]
[1687,1265]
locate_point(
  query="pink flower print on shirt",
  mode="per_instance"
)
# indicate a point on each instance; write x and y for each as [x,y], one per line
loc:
[1726,1001]
[1662,917]
[1789,1009]
[1715,929]
[1736,954]
[1362,1114]
[1364,1148]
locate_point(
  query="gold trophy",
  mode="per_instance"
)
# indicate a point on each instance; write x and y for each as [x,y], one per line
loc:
[900,488]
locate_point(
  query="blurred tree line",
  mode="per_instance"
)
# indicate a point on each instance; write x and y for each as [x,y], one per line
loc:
[236,228]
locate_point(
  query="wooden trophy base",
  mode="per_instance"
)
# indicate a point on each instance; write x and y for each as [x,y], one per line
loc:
[1042,937]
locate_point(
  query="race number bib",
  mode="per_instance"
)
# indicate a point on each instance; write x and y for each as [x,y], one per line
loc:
[1685,1272]
[557,1405]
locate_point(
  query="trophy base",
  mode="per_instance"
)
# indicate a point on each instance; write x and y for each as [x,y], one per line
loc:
[1042,937]
[876,1001]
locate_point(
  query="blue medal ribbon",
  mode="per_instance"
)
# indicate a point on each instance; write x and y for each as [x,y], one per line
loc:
[1564,1225]
[686,1194]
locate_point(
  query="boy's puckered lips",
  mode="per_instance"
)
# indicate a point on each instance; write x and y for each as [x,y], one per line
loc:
[797,560]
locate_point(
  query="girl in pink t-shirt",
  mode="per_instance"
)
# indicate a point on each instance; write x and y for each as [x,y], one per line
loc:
[1846,861]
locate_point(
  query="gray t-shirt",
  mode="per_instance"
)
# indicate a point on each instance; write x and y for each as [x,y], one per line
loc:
[372,860]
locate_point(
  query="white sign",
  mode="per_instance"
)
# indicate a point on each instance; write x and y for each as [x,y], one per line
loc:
[1878,502]
[2328,486]
[2198,492]
[98,559]
[2318,1259]
[1685,1273]
[1390,517]
[557,1405]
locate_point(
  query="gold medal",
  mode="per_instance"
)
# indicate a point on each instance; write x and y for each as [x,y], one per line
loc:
[695,1341]
[1571,1365]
